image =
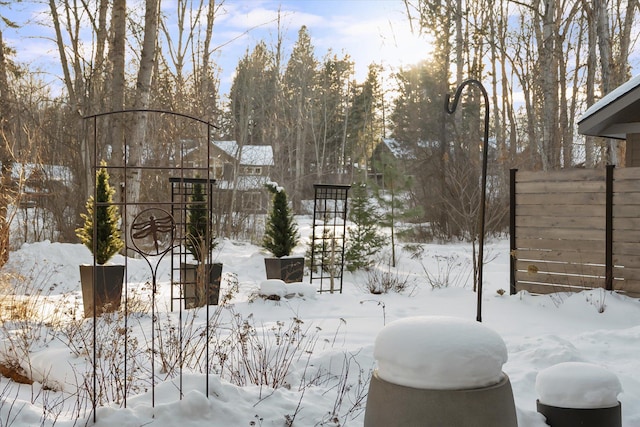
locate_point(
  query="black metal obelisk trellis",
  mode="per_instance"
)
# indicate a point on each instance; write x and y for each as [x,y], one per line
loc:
[175,146]
[328,236]
[182,194]
[450,109]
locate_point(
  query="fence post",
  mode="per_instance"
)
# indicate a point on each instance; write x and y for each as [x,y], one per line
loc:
[608,279]
[512,230]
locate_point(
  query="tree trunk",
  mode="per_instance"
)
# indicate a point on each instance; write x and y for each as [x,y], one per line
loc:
[549,86]
[5,157]
[117,89]
[592,38]
[604,45]
[141,101]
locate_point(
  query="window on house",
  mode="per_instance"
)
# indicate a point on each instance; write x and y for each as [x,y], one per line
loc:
[217,169]
[253,170]
[251,201]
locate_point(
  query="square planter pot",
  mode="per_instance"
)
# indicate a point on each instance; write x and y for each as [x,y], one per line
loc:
[287,269]
[105,286]
[190,280]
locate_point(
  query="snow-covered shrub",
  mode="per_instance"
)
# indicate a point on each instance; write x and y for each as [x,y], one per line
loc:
[450,270]
[382,282]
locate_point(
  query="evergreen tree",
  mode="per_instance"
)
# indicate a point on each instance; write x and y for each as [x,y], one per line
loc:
[331,115]
[252,97]
[197,221]
[108,235]
[299,88]
[365,127]
[416,123]
[393,196]
[281,232]
[363,238]
[325,251]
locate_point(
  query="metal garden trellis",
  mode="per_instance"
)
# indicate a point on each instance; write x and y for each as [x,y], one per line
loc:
[328,234]
[450,109]
[153,230]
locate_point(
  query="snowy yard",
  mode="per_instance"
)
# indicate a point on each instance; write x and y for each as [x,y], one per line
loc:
[326,382]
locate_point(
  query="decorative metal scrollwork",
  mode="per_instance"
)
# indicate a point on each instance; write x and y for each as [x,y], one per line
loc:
[153,232]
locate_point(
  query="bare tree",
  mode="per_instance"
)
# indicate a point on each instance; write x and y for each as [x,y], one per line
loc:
[141,100]
[117,86]
[7,192]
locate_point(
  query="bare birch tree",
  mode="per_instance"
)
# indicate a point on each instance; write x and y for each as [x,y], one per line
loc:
[141,101]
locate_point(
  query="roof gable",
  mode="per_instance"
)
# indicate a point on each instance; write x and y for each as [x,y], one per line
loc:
[616,114]
[252,155]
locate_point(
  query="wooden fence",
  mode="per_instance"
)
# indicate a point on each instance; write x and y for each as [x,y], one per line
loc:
[576,229]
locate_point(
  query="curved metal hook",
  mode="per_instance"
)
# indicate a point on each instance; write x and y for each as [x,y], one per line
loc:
[450,109]
[456,97]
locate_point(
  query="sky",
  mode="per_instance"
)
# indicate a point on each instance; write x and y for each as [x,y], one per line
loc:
[367,30]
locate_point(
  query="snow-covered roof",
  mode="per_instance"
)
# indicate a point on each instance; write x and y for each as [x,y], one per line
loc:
[403,151]
[245,183]
[252,155]
[58,173]
[395,148]
[616,114]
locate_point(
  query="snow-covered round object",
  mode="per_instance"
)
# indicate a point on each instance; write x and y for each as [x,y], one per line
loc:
[440,353]
[303,289]
[273,287]
[578,385]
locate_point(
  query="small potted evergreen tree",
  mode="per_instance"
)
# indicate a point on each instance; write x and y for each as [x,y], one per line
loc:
[101,282]
[200,243]
[280,238]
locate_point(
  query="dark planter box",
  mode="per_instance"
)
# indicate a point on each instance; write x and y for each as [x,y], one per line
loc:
[570,417]
[189,274]
[288,269]
[107,288]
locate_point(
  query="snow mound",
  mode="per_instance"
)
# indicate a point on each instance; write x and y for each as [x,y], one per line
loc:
[578,385]
[440,353]
[273,287]
[278,288]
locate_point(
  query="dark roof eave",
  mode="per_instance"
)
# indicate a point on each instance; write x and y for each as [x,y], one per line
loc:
[615,115]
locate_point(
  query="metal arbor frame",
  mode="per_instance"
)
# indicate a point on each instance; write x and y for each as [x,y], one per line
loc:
[328,235]
[153,232]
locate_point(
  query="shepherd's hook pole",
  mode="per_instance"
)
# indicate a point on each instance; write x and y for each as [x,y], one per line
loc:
[451,109]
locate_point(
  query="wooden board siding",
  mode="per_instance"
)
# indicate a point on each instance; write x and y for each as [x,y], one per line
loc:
[559,241]
[626,230]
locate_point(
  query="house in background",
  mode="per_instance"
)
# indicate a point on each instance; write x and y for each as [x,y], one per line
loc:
[36,183]
[390,155]
[384,156]
[245,169]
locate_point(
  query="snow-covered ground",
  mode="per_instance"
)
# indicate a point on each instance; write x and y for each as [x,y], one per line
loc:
[325,384]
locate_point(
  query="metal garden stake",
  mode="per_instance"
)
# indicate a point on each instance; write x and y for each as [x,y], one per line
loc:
[451,109]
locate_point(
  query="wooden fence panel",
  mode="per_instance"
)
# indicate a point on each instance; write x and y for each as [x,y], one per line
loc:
[576,229]
[564,210]
[626,230]
[532,268]
[559,232]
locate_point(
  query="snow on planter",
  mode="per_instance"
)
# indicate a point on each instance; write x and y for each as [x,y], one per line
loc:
[440,353]
[578,385]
